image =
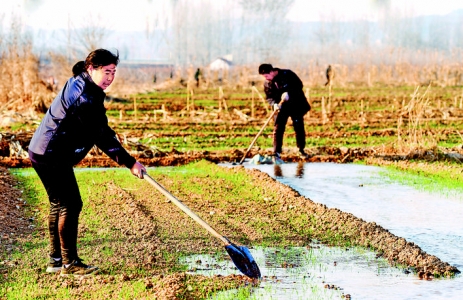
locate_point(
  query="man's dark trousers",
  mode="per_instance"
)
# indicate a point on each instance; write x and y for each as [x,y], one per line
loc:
[279,129]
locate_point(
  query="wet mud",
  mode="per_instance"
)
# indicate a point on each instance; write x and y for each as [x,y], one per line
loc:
[316,154]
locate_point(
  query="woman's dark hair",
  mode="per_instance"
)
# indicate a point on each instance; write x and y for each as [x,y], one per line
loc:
[265,68]
[97,58]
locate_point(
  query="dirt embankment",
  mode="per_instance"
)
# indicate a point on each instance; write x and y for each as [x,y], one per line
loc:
[176,158]
[13,153]
[316,154]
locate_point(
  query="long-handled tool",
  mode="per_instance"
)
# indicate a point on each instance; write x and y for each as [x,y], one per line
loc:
[240,255]
[258,134]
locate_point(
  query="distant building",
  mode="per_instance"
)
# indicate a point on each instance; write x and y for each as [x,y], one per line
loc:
[222,63]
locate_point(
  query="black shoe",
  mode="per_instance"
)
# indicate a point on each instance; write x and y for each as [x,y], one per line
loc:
[78,268]
[302,154]
[54,266]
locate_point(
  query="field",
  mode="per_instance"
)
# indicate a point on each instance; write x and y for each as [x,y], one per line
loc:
[408,128]
[176,126]
[138,248]
[395,102]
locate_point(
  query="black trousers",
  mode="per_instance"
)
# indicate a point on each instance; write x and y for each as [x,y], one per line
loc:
[65,206]
[278,131]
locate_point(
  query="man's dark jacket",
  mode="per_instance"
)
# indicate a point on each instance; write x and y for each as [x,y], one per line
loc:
[287,81]
[74,123]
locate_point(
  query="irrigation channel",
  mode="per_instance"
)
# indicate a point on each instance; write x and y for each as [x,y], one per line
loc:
[432,220]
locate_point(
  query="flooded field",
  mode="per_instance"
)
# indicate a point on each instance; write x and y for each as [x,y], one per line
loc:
[318,272]
[431,220]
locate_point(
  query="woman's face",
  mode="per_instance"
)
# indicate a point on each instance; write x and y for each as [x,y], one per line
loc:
[103,76]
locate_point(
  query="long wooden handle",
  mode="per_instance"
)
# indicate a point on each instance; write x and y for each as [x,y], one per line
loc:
[258,134]
[185,209]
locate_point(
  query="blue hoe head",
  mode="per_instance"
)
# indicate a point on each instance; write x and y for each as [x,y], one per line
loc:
[243,260]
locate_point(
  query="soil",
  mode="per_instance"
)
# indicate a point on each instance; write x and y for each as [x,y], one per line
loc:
[143,249]
[318,154]
[13,222]
[176,158]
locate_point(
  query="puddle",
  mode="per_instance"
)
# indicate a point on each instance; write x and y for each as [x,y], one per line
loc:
[431,220]
[301,273]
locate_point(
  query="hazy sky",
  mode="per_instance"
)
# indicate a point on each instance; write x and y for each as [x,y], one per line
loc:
[352,9]
[135,14]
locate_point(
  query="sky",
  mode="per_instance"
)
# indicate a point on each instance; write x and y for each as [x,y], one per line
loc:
[128,15]
[45,18]
[304,10]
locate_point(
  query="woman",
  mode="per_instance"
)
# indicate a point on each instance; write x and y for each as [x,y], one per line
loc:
[74,123]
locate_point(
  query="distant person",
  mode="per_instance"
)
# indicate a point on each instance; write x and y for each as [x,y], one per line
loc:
[329,75]
[198,77]
[283,89]
[74,123]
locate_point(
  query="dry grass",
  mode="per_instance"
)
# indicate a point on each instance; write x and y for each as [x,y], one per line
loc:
[312,75]
[21,87]
[414,137]
[24,84]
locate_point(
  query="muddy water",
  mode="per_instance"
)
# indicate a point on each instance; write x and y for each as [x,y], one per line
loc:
[317,272]
[431,220]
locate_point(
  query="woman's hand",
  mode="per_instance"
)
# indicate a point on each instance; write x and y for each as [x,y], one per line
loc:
[138,169]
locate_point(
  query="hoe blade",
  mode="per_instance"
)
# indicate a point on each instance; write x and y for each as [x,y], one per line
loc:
[243,260]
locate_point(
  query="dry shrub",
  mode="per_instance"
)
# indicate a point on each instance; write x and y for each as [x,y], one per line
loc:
[312,73]
[131,80]
[59,68]
[21,88]
[414,137]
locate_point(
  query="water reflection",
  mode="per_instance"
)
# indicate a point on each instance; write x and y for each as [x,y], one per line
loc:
[300,170]
[278,171]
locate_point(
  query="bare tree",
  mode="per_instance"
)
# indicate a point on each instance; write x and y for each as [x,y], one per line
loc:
[265,29]
[199,32]
[89,37]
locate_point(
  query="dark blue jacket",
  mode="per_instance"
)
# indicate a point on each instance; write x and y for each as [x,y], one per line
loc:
[287,81]
[74,123]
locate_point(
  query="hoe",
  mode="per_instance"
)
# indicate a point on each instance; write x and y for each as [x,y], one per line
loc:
[240,255]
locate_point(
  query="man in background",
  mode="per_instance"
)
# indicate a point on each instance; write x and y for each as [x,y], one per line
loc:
[283,89]
[198,77]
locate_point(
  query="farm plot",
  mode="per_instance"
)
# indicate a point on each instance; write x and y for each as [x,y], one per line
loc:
[174,127]
[137,237]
